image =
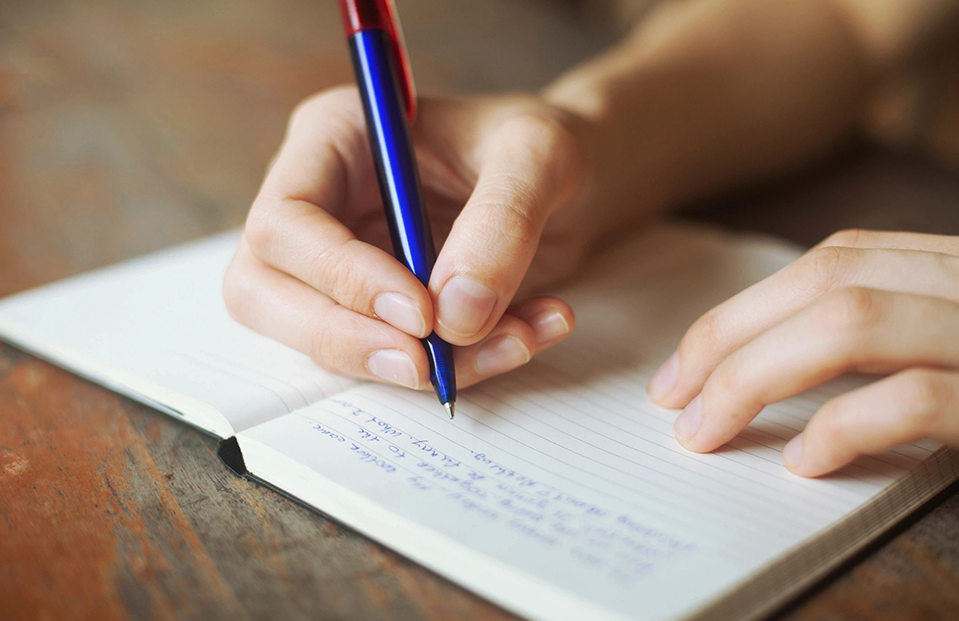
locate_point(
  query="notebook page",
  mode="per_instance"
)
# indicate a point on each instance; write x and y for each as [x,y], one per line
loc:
[559,491]
[156,329]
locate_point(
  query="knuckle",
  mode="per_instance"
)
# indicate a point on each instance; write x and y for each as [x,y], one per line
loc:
[549,139]
[317,108]
[820,269]
[336,272]
[515,222]
[728,378]
[851,309]
[323,348]
[260,230]
[947,263]
[831,423]
[512,218]
[305,111]
[729,395]
[536,131]
[704,336]
[927,396]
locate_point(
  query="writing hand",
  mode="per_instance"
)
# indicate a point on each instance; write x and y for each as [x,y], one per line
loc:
[870,302]
[314,268]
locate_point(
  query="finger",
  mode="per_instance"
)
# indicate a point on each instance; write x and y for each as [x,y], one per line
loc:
[336,338]
[740,319]
[529,328]
[551,319]
[291,229]
[300,239]
[903,408]
[859,238]
[851,330]
[325,126]
[344,342]
[527,172]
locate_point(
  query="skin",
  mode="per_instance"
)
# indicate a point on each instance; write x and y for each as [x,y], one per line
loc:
[705,95]
[861,301]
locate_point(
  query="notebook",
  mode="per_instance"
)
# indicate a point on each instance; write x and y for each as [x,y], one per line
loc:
[558,492]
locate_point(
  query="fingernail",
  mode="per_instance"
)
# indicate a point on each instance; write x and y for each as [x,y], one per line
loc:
[792,452]
[394,366]
[464,305]
[549,326]
[399,311]
[689,420]
[665,378]
[500,355]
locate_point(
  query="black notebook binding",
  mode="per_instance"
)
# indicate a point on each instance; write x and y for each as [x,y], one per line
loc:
[229,453]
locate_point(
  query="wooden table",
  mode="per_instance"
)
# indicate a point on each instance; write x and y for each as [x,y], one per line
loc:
[127,127]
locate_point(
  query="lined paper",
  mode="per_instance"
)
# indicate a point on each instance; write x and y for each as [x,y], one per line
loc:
[562,475]
[157,327]
[559,491]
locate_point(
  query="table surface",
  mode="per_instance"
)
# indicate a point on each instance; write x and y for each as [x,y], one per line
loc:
[129,126]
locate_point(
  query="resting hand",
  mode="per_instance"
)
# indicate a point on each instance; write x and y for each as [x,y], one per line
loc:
[315,270]
[870,302]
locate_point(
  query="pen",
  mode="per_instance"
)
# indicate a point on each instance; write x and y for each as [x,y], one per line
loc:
[389,104]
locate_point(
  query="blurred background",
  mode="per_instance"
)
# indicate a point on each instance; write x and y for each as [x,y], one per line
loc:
[130,125]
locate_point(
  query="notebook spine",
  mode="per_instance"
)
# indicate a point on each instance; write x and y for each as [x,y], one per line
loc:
[229,453]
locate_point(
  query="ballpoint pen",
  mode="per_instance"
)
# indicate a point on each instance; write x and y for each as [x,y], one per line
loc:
[389,104]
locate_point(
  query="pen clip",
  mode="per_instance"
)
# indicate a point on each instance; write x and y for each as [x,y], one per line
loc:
[381,15]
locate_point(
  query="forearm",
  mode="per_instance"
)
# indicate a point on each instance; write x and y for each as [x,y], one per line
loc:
[713,93]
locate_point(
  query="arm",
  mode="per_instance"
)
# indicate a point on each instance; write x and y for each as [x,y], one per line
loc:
[713,93]
[706,94]
[867,302]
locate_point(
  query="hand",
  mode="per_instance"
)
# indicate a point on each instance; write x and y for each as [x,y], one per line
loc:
[861,301]
[315,270]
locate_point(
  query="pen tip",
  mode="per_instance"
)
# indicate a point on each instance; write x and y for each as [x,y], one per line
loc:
[450,409]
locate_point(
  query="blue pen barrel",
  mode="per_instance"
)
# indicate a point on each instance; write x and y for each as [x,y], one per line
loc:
[399,182]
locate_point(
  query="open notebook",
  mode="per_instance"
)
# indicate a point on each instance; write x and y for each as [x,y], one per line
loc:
[558,492]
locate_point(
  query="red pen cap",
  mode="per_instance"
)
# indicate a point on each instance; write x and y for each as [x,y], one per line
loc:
[381,14]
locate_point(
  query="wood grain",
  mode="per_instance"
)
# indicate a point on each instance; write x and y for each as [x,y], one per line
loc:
[129,126]
[113,511]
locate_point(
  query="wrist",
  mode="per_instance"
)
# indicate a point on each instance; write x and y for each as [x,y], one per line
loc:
[633,155]
[700,99]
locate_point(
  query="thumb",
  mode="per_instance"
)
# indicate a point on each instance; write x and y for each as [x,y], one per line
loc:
[527,171]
